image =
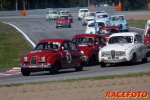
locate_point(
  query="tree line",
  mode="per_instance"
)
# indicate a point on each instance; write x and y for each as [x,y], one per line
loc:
[7,5]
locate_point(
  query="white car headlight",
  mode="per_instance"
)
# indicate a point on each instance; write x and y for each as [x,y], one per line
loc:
[25,58]
[42,58]
[103,54]
[121,53]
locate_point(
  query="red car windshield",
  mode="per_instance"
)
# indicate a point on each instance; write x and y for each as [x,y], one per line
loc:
[108,31]
[83,40]
[47,46]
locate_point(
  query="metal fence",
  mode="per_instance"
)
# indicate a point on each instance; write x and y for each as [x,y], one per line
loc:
[43,11]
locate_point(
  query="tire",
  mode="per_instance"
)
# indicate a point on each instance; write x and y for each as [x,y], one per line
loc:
[69,26]
[80,66]
[133,60]
[92,60]
[49,19]
[25,72]
[144,60]
[78,18]
[102,64]
[56,26]
[55,68]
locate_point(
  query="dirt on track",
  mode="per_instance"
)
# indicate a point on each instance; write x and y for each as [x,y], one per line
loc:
[80,90]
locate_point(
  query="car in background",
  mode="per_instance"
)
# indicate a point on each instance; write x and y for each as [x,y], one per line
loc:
[89,45]
[120,21]
[51,14]
[147,26]
[101,14]
[147,40]
[63,21]
[92,27]
[82,12]
[106,31]
[66,12]
[52,55]
[123,47]
[88,17]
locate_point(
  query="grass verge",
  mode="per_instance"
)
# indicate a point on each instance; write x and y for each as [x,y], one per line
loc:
[137,23]
[12,46]
[86,78]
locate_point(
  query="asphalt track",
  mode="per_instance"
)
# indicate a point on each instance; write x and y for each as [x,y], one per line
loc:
[36,28]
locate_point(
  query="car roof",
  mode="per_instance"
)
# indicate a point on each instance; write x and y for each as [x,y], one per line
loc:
[109,27]
[117,15]
[52,11]
[54,40]
[84,9]
[98,20]
[124,34]
[86,35]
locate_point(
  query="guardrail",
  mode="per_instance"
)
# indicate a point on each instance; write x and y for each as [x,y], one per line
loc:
[43,11]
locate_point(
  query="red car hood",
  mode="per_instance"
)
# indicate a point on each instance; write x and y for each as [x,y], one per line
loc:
[40,53]
[63,20]
[83,47]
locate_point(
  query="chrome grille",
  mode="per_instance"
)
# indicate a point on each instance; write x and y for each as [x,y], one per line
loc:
[33,60]
[113,54]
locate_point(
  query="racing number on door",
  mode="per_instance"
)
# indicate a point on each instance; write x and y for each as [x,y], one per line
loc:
[68,56]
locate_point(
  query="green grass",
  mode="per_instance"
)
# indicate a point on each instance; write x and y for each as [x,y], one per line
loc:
[12,46]
[86,78]
[137,23]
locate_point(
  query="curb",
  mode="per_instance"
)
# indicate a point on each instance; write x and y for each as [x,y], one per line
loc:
[12,71]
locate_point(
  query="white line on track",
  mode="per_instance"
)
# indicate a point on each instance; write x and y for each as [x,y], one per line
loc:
[22,33]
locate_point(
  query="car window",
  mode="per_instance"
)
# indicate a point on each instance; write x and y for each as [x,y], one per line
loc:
[139,38]
[47,46]
[108,31]
[100,40]
[53,12]
[100,24]
[65,45]
[83,40]
[120,39]
[72,46]
[84,11]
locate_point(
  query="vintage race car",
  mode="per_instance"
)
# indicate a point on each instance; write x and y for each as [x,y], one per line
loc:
[106,31]
[52,55]
[123,47]
[147,26]
[93,26]
[101,15]
[82,12]
[66,12]
[89,45]
[88,17]
[120,21]
[51,14]
[147,40]
[63,21]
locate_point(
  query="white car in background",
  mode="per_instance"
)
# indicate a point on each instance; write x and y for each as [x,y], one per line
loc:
[92,27]
[101,14]
[123,47]
[81,12]
[120,21]
[147,26]
[88,17]
[51,14]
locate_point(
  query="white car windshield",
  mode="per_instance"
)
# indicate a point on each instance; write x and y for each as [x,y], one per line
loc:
[108,31]
[83,40]
[99,24]
[120,39]
[47,46]
[53,12]
[84,11]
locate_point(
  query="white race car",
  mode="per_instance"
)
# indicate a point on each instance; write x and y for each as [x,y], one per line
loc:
[87,17]
[92,27]
[123,47]
[81,12]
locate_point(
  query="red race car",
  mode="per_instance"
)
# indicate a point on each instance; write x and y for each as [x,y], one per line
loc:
[106,31]
[89,45]
[52,55]
[63,21]
[147,39]
[66,12]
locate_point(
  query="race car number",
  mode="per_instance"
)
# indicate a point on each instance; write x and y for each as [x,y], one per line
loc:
[68,56]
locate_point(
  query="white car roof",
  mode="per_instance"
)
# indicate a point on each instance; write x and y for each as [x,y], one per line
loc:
[124,34]
[83,9]
[98,20]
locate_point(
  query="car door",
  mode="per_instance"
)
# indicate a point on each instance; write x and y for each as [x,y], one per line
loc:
[67,57]
[138,46]
[75,53]
[142,46]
